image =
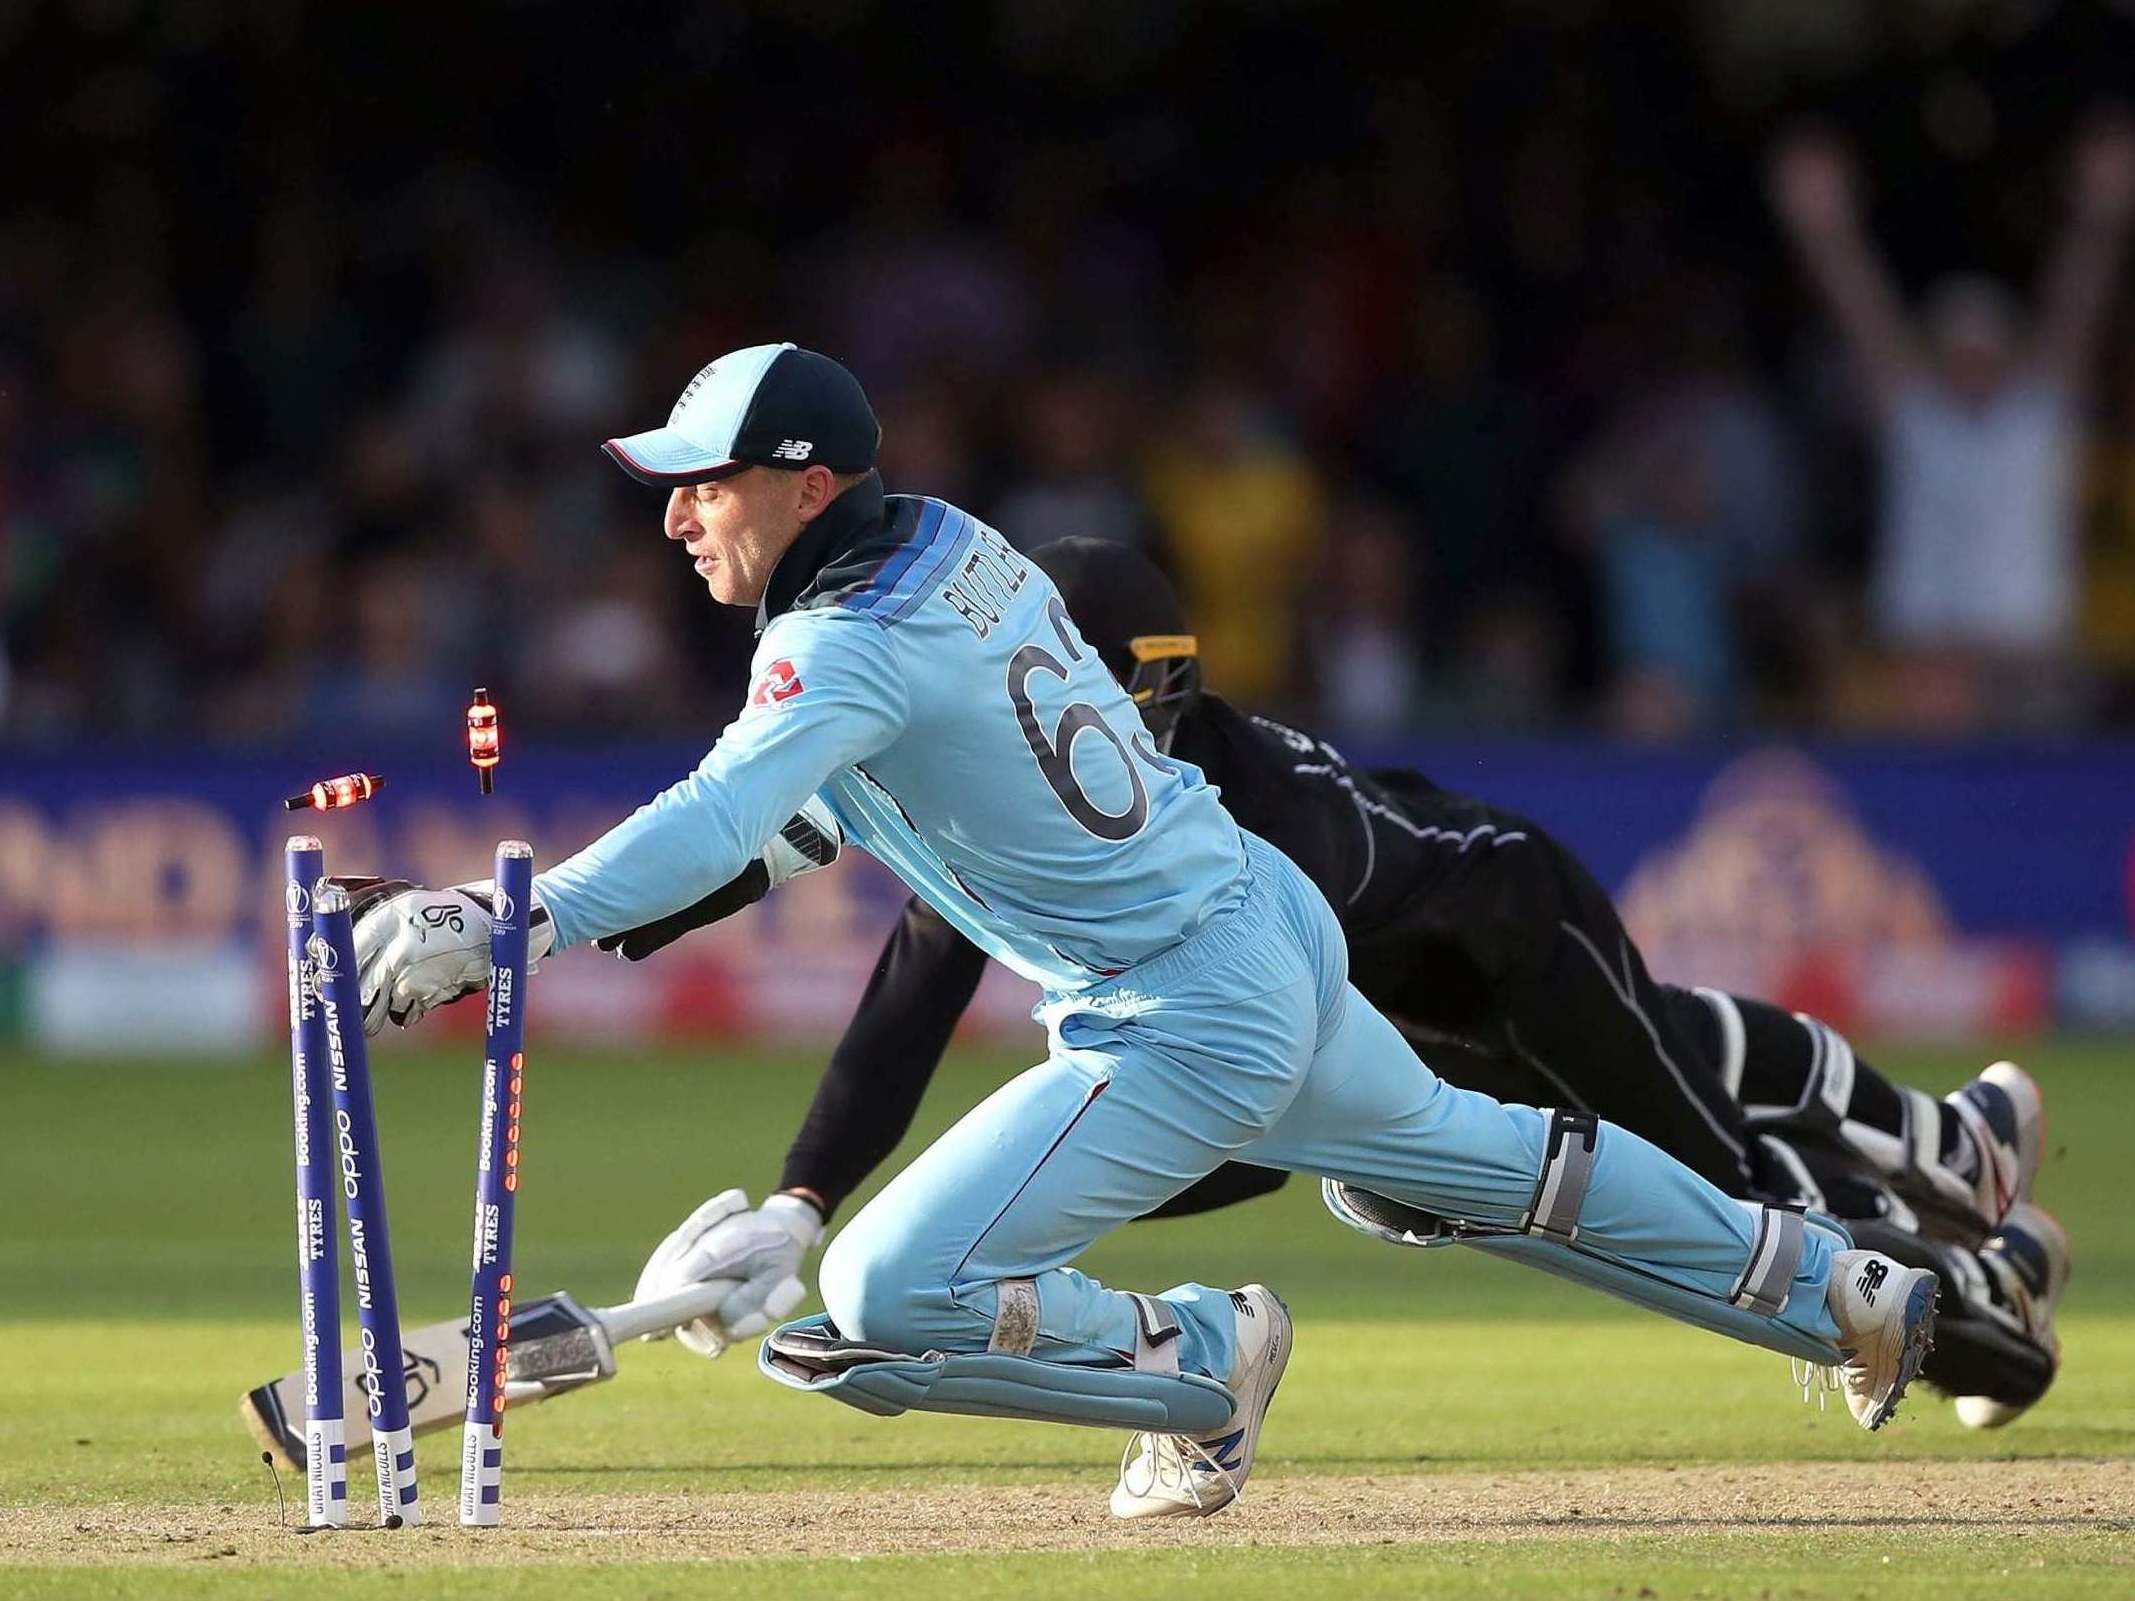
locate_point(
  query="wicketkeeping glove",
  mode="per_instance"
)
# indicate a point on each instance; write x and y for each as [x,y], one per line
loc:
[762,1250]
[417,948]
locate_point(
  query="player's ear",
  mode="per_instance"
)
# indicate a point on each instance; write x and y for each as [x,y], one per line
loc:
[819,487]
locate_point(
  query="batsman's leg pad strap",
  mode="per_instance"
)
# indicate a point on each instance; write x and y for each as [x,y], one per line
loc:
[808,1355]
[1825,1092]
[1567,1170]
[1835,1071]
[1896,1155]
[1734,1037]
[1774,1259]
[1156,1336]
[1923,1130]
[1913,1159]
[1646,1289]
[1980,1132]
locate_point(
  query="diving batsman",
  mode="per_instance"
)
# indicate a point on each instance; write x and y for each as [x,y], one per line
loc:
[923,687]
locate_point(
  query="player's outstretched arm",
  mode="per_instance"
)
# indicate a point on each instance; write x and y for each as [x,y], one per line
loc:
[810,840]
[419,948]
[1812,192]
[842,699]
[2079,281]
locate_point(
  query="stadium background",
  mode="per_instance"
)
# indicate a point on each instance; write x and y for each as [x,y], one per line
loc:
[1461,372]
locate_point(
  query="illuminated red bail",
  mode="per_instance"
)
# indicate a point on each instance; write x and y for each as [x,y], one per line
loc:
[331,794]
[484,742]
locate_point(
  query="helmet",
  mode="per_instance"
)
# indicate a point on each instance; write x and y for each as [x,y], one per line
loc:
[1127,609]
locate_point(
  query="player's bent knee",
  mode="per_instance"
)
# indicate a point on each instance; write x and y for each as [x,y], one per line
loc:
[876,1293]
[855,1283]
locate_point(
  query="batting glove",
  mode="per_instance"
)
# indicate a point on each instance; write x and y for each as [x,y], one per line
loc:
[723,1239]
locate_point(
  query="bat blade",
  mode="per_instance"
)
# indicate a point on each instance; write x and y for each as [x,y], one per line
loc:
[435,1362]
[557,1345]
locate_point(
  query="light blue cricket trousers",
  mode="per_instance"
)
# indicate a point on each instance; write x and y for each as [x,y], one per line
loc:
[1245,1041]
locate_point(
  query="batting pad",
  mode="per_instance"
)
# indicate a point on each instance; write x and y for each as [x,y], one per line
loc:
[1657,1295]
[1755,1322]
[810,1355]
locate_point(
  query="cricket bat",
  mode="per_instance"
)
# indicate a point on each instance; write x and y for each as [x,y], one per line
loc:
[556,1346]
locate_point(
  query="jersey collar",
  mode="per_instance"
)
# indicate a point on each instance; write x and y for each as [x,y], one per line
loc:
[845,522]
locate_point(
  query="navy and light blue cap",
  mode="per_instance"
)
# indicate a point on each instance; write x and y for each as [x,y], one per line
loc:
[765,406]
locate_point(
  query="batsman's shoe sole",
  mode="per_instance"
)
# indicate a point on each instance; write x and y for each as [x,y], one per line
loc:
[1195,1476]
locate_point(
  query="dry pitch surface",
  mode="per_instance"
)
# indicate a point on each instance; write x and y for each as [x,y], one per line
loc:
[1986,1498]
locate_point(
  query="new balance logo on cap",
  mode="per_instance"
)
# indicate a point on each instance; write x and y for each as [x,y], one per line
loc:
[793,450]
[1871,1280]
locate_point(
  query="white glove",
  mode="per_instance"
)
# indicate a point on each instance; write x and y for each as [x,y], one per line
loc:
[427,947]
[723,1239]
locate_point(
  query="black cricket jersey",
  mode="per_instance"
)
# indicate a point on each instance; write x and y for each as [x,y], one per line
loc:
[1369,840]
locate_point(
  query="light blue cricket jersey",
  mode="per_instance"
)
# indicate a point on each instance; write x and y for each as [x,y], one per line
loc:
[925,679]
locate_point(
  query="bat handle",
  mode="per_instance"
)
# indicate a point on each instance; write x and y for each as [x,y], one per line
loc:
[665,1312]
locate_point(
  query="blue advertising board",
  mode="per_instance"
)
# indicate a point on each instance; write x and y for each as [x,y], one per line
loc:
[1965,876]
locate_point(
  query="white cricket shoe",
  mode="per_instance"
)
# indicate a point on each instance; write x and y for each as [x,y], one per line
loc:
[2005,1114]
[1886,1321]
[1194,1475]
[2029,1259]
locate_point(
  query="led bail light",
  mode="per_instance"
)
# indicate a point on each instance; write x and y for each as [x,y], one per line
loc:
[483,744]
[331,794]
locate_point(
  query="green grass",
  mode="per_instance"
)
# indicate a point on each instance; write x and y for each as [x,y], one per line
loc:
[145,1282]
[1958,1567]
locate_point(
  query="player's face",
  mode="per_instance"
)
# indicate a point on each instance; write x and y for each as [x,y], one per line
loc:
[736,529]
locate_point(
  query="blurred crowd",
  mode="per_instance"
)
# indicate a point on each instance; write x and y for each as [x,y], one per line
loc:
[1659,369]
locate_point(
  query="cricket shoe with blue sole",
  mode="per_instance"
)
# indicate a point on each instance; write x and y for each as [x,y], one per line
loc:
[1886,1321]
[1194,1475]
[2029,1260]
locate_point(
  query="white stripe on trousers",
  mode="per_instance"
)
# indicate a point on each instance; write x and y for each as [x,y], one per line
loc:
[1628,995]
